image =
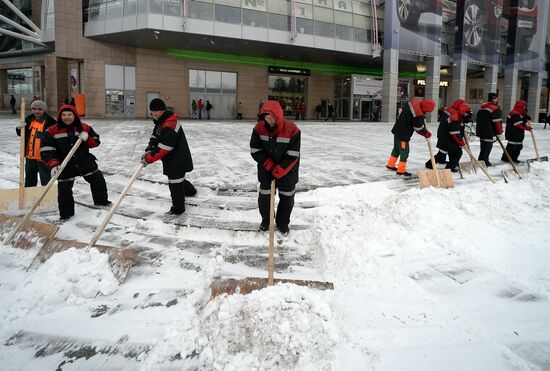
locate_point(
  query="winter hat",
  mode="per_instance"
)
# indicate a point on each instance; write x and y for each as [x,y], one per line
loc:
[40,104]
[157,104]
[427,105]
[464,109]
[521,107]
[68,107]
[492,96]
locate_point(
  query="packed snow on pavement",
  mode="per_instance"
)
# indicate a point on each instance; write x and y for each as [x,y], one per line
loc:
[431,279]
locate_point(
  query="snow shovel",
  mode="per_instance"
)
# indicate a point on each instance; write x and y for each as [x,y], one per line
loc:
[505,173]
[439,178]
[32,233]
[8,196]
[473,164]
[120,259]
[249,284]
[48,186]
[538,158]
[477,163]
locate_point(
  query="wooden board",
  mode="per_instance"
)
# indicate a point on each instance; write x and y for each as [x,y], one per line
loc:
[11,196]
[247,285]
[121,260]
[436,178]
[28,236]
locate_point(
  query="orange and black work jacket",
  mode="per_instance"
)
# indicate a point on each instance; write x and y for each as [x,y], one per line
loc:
[34,130]
[450,133]
[516,125]
[59,139]
[410,120]
[488,122]
[276,149]
[168,143]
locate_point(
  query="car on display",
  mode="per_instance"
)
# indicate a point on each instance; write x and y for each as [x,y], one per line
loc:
[409,11]
[522,19]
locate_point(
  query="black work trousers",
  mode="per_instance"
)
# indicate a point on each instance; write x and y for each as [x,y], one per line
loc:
[65,198]
[513,150]
[177,192]
[485,151]
[454,158]
[286,203]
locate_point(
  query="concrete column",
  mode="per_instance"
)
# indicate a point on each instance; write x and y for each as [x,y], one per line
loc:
[490,82]
[3,88]
[389,89]
[460,70]
[510,90]
[433,71]
[533,96]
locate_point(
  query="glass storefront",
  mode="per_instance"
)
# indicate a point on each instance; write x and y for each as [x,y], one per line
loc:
[120,91]
[20,81]
[290,91]
[217,87]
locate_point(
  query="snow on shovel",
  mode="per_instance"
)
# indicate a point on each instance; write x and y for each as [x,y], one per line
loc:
[249,284]
[473,164]
[508,174]
[120,259]
[439,178]
[8,196]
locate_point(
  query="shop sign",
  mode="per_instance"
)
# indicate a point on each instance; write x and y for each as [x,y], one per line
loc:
[255,4]
[289,70]
[366,86]
[441,83]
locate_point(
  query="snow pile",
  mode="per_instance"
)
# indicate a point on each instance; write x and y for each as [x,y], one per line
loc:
[71,276]
[280,327]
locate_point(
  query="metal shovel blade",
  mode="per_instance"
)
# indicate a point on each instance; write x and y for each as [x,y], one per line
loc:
[30,234]
[121,260]
[542,158]
[249,284]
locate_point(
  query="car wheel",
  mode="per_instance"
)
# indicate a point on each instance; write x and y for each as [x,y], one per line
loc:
[474,31]
[406,13]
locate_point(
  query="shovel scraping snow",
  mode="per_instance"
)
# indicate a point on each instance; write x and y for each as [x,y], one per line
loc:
[538,158]
[249,284]
[31,233]
[435,178]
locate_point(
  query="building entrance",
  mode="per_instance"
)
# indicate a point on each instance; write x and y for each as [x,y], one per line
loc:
[290,91]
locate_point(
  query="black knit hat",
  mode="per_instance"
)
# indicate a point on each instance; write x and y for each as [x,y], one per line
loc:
[157,105]
[492,96]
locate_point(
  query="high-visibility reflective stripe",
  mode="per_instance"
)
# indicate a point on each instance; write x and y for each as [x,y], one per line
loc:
[164,146]
[516,143]
[178,126]
[454,132]
[254,150]
[496,120]
[265,138]
[288,194]
[442,151]
[175,181]
[44,149]
[62,135]
[283,140]
[419,128]
[412,109]
[486,109]
[91,173]
[489,140]
[293,153]
[265,191]
[518,123]
[66,180]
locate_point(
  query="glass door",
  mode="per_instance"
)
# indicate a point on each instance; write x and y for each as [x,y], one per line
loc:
[366,110]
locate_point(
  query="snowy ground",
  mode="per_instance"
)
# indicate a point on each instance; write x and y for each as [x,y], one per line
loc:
[424,279]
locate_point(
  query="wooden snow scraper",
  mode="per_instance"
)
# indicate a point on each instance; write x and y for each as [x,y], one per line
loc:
[439,178]
[29,232]
[245,286]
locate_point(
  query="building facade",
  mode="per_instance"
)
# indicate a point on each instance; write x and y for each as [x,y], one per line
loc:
[114,56]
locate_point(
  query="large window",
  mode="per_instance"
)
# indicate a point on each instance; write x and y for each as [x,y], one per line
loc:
[20,81]
[217,87]
[120,90]
[290,91]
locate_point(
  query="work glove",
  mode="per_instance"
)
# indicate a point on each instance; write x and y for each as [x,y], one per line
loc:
[55,170]
[461,144]
[144,159]
[269,164]
[428,135]
[278,172]
[84,135]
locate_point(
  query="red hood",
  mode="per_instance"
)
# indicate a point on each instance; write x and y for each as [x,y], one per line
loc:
[68,107]
[456,104]
[274,109]
[521,107]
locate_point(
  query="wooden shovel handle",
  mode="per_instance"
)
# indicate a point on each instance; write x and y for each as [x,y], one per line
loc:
[271,259]
[469,151]
[508,157]
[534,142]
[475,162]
[22,158]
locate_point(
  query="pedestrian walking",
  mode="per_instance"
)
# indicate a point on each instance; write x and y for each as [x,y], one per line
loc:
[208,109]
[200,105]
[318,111]
[330,110]
[12,104]
[240,111]
[193,109]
